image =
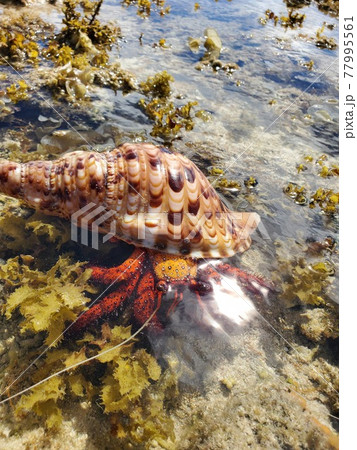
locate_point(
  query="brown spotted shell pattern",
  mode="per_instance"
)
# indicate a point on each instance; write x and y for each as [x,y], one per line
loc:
[150,197]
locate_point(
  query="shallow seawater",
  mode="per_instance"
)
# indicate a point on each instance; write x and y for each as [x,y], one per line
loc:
[252,374]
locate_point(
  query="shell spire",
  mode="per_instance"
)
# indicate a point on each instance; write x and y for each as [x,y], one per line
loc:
[148,196]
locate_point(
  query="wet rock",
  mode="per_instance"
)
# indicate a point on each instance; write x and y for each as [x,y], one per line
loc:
[319,324]
[194,44]
[213,41]
[213,44]
[217,64]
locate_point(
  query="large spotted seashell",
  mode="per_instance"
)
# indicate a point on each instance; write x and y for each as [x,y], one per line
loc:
[147,196]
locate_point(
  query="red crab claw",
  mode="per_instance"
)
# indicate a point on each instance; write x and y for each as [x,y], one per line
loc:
[254,284]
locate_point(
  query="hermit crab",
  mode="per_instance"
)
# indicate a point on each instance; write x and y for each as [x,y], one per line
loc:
[150,197]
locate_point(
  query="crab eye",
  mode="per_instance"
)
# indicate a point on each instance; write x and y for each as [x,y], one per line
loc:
[162,286]
[202,287]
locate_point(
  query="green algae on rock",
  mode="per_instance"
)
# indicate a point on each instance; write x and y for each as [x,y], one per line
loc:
[145,7]
[292,20]
[168,118]
[19,92]
[323,41]
[304,282]
[82,32]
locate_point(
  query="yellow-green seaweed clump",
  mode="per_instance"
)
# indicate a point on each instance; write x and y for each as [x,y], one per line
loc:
[18,93]
[21,37]
[145,7]
[127,383]
[324,169]
[46,300]
[129,394]
[215,171]
[81,32]
[158,86]
[303,282]
[223,183]
[16,47]
[25,231]
[296,192]
[326,199]
[330,7]
[168,118]
[80,50]
[292,20]
[43,402]
[323,41]
[250,182]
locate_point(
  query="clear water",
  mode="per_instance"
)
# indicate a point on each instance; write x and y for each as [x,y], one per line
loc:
[248,135]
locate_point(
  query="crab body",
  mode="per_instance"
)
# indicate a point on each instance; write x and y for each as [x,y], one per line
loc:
[157,281]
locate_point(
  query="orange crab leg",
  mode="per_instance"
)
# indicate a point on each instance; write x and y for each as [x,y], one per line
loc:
[107,305]
[178,298]
[109,275]
[252,283]
[147,300]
